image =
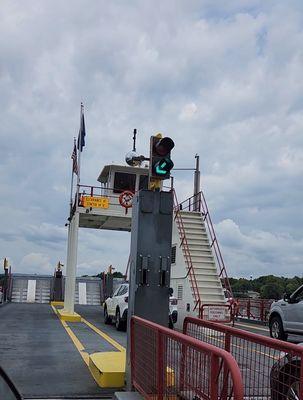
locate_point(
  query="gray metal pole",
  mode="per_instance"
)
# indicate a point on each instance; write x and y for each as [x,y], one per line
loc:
[197,187]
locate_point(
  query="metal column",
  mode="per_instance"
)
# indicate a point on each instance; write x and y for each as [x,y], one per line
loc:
[71,264]
[150,259]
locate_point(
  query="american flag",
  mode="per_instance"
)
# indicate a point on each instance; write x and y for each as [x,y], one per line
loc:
[74,158]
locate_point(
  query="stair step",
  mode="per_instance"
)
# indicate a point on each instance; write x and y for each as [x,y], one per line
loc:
[206,300]
[207,289]
[195,224]
[190,214]
[203,252]
[204,266]
[195,245]
[196,258]
[211,285]
[197,239]
[194,227]
[211,295]
[202,275]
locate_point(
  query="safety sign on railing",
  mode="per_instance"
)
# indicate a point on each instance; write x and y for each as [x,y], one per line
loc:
[95,202]
[216,312]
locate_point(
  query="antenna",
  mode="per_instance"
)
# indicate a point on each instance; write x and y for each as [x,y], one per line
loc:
[134,139]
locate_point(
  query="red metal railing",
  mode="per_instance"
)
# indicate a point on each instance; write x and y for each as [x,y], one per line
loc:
[186,253]
[198,203]
[167,364]
[255,309]
[270,368]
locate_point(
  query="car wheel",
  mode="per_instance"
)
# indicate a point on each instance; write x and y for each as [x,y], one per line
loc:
[287,387]
[276,329]
[107,318]
[119,323]
[293,392]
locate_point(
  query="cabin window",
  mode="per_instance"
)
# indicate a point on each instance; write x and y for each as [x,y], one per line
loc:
[143,182]
[173,254]
[124,181]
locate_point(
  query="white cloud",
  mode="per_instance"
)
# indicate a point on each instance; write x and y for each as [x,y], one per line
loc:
[36,263]
[224,81]
[259,252]
[188,111]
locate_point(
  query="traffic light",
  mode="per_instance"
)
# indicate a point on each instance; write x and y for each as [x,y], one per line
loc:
[160,163]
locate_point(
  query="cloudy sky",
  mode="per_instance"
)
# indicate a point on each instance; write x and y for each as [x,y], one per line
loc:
[223,79]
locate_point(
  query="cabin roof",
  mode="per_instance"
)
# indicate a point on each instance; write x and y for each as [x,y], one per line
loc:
[103,177]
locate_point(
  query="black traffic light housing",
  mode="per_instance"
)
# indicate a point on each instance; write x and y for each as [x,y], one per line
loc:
[160,162]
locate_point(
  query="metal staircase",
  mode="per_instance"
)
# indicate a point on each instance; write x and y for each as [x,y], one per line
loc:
[205,265]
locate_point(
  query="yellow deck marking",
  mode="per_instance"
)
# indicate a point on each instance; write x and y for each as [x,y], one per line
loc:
[242,347]
[74,339]
[252,327]
[104,335]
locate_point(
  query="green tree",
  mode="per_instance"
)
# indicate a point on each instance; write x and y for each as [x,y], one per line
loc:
[272,290]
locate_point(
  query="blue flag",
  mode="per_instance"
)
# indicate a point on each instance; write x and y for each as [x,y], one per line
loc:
[81,137]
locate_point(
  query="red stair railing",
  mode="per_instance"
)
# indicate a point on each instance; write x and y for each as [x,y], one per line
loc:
[198,203]
[186,252]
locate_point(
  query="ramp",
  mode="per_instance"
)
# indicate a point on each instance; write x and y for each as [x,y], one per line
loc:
[31,288]
[88,291]
[37,289]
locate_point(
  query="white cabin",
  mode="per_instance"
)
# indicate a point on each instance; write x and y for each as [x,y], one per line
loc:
[99,206]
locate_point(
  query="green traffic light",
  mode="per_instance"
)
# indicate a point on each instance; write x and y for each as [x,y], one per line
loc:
[163,166]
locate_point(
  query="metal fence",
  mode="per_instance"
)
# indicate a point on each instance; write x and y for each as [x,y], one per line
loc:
[167,364]
[256,309]
[270,368]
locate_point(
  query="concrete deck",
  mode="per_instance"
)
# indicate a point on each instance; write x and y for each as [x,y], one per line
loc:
[41,359]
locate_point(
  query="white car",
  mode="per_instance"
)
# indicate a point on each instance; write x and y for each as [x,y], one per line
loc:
[286,316]
[115,308]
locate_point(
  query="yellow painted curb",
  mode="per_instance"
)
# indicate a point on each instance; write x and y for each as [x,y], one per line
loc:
[69,317]
[108,368]
[57,303]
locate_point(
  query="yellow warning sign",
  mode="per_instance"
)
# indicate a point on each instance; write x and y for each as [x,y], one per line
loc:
[95,202]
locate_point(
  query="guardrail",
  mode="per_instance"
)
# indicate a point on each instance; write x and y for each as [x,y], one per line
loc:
[167,364]
[255,309]
[270,368]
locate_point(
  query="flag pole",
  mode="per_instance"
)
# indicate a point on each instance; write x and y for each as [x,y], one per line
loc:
[79,153]
[72,182]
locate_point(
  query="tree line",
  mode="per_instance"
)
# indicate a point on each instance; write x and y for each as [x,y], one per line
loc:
[269,286]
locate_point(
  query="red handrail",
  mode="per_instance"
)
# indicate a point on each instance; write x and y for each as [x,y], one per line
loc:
[268,366]
[167,363]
